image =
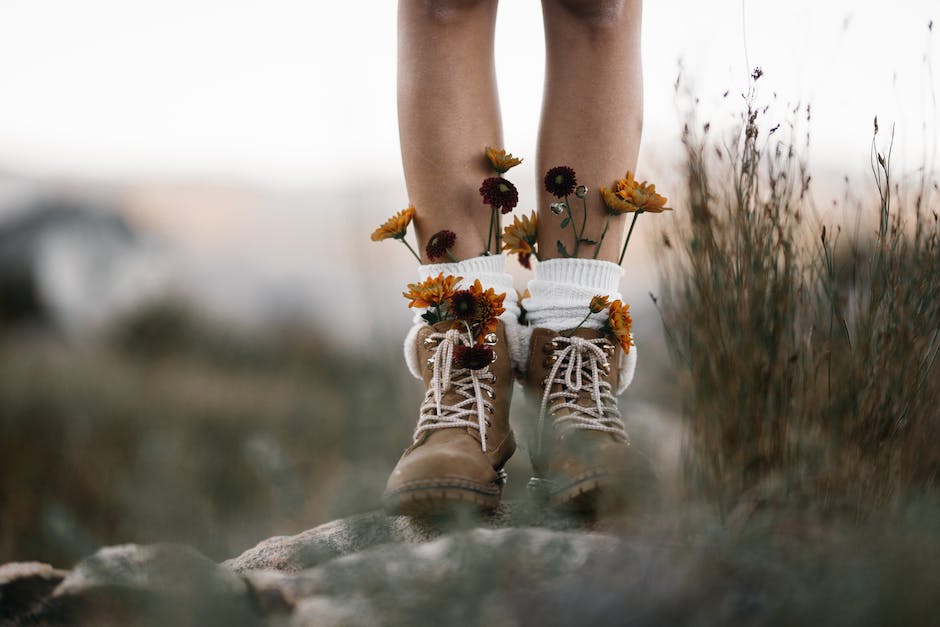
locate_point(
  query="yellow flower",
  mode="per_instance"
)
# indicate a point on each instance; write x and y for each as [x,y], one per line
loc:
[489,307]
[626,195]
[501,161]
[620,324]
[519,237]
[599,303]
[395,227]
[432,291]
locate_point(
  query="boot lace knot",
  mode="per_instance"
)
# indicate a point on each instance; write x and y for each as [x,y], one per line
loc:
[472,391]
[583,398]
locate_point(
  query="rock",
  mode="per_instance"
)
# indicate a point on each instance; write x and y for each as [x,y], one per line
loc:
[162,584]
[24,585]
[460,578]
[357,533]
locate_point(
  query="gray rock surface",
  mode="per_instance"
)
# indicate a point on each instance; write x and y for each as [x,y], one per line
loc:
[368,569]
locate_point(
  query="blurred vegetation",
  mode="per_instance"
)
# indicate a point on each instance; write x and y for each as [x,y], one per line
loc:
[178,427]
[807,352]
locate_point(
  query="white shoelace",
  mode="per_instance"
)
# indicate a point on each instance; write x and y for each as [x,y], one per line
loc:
[577,367]
[471,385]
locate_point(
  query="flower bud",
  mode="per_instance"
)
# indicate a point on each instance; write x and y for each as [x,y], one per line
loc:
[581,191]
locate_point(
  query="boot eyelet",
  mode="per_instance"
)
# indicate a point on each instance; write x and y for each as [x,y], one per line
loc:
[431,362]
[429,342]
[490,339]
[494,358]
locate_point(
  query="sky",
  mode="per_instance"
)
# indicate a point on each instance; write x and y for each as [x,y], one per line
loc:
[297,93]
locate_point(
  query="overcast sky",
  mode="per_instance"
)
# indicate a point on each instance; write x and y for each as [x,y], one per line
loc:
[287,92]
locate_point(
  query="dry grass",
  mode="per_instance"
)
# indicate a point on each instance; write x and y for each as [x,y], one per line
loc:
[807,354]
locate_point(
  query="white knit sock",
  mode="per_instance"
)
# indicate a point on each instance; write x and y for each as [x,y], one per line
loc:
[491,272]
[561,293]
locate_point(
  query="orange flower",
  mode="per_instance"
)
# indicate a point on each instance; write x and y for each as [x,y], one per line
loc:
[599,303]
[489,307]
[620,323]
[501,161]
[395,227]
[432,291]
[519,237]
[627,196]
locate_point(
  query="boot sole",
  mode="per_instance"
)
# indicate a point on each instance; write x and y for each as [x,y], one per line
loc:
[439,499]
[586,495]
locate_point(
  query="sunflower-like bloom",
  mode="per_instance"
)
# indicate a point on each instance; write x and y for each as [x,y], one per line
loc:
[620,324]
[474,357]
[440,243]
[499,193]
[560,181]
[627,195]
[500,160]
[432,291]
[489,307]
[395,227]
[599,303]
[519,237]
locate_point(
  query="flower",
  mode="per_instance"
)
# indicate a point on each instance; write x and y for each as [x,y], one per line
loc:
[500,160]
[499,193]
[599,303]
[581,191]
[525,260]
[489,307]
[626,195]
[439,244]
[520,236]
[474,357]
[620,322]
[560,181]
[395,227]
[463,305]
[432,291]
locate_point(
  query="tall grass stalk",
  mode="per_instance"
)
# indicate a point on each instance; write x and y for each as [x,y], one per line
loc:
[808,358]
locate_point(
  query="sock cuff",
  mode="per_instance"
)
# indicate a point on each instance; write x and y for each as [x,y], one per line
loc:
[470,269]
[587,274]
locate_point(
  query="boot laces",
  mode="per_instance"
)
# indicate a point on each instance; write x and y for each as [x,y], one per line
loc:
[577,368]
[469,386]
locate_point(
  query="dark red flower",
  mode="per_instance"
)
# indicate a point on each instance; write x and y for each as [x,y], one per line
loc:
[499,193]
[560,181]
[524,260]
[463,305]
[474,357]
[439,244]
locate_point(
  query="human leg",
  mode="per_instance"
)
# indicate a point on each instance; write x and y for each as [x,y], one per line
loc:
[591,121]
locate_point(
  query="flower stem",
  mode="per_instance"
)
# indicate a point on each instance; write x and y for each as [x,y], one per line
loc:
[584,220]
[574,229]
[629,233]
[580,324]
[402,240]
[489,233]
[450,255]
[597,248]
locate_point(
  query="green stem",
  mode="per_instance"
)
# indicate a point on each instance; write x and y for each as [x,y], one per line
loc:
[402,240]
[499,233]
[571,332]
[574,229]
[489,233]
[629,233]
[597,248]
[584,220]
[450,255]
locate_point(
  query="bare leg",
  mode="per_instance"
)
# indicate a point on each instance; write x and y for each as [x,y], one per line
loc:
[448,109]
[592,111]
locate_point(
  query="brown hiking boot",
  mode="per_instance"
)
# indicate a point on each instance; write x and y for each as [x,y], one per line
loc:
[580,452]
[463,439]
